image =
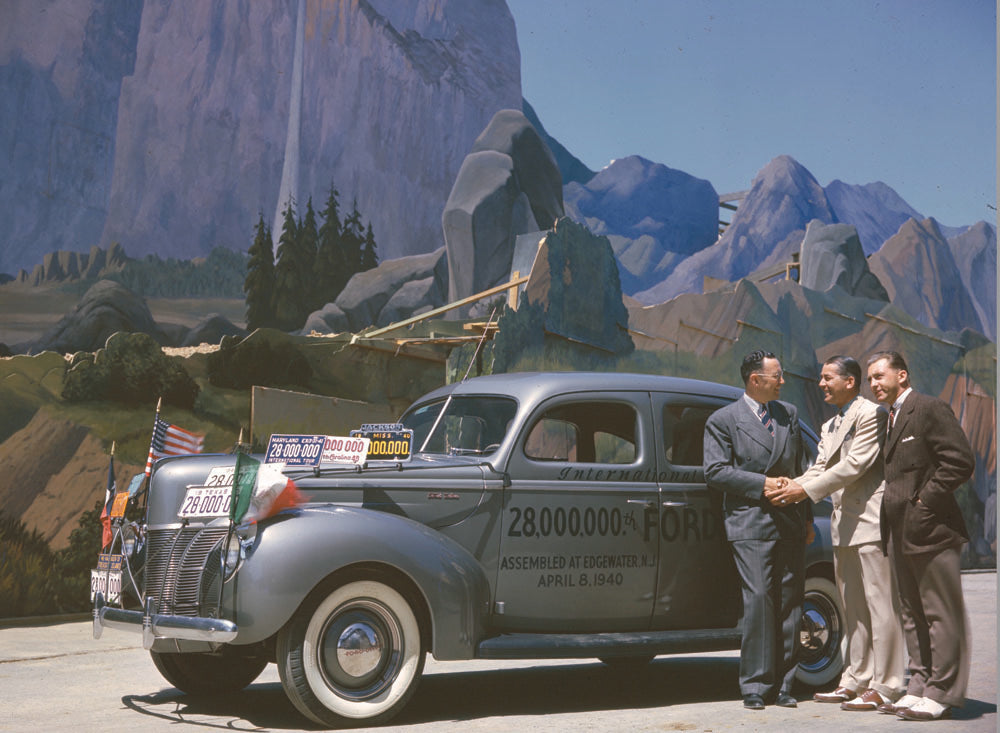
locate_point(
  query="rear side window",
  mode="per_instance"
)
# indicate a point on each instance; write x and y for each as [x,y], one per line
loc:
[585,432]
[684,433]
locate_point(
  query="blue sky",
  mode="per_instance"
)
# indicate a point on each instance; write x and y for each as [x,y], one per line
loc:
[899,91]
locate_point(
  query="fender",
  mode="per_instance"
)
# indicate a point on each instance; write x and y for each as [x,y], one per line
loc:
[292,555]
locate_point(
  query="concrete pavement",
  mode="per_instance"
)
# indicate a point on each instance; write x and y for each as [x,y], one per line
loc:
[56,677]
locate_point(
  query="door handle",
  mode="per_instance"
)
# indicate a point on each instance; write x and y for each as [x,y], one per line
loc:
[674,503]
[647,503]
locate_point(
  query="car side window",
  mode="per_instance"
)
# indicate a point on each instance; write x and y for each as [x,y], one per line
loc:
[585,432]
[684,432]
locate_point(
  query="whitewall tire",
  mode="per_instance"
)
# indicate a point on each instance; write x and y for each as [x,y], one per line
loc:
[823,638]
[353,657]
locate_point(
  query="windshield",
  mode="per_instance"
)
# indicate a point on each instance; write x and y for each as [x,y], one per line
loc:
[472,425]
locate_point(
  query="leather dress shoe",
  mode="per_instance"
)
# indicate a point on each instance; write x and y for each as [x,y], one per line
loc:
[786,701]
[841,695]
[753,702]
[869,700]
[925,709]
[893,708]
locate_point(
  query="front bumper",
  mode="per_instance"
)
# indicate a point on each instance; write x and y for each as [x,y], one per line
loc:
[154,625]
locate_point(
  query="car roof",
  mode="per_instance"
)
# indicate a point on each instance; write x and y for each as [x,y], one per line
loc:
[531,387]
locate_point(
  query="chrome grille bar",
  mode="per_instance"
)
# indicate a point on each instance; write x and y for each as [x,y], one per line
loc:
[175,569]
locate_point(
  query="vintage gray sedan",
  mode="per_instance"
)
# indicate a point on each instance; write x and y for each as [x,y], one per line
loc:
[552,515]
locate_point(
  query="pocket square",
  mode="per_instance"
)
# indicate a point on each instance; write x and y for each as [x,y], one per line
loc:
[908,438]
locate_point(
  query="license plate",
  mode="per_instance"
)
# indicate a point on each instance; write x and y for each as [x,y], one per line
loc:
[118,508]
[345,450]
[387,445]
[206,501]
[295,450]
[107,578]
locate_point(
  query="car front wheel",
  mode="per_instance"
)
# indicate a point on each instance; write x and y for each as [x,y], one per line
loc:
[353,657]
[822,639]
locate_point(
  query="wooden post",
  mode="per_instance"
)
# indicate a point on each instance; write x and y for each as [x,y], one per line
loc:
[512,293]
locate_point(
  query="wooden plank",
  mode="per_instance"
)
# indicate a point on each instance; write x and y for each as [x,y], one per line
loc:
[438,311]
[734,196]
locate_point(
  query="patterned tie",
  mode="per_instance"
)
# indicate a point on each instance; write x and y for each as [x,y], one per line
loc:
[765,418]
[892,419]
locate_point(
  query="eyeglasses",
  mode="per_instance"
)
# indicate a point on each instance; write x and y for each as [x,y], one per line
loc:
[777,375]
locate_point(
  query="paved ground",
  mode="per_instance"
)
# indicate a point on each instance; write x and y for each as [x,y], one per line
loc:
[58,678]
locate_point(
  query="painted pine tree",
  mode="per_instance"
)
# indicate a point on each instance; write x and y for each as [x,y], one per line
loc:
[259,283]
[331,267]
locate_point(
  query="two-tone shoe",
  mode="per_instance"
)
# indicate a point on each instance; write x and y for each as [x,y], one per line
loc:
[840,695]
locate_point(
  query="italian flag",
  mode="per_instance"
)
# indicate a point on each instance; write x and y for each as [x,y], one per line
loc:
[260,490]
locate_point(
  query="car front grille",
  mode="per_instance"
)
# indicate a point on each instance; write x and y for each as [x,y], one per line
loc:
[182,569]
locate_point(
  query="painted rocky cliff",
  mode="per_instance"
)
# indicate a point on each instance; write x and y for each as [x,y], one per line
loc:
[168,127]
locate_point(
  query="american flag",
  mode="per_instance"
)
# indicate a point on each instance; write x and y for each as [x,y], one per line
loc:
[170,440]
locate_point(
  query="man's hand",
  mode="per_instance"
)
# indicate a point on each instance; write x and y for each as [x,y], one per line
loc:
[785,492]
[773,483]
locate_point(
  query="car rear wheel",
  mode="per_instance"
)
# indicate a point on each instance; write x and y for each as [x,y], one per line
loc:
[208,674]
[353,657]
[822,639]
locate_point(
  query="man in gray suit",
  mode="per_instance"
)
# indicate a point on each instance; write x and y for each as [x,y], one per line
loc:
[849,469]
[927,457]
[748,445]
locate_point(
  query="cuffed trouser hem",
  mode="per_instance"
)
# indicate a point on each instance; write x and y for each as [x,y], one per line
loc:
[939,696]
[851,684]
[888,693]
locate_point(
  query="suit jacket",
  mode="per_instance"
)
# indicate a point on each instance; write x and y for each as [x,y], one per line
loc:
[848,469]
[738,453]
[927,457]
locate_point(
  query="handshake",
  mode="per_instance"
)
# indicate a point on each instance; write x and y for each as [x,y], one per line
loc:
[783,491]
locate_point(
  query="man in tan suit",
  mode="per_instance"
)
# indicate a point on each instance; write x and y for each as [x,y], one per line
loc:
[849,469]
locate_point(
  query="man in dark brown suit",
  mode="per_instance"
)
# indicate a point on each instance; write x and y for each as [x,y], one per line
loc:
[927,457]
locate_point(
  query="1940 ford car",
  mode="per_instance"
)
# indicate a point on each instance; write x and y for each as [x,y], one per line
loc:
[556,515]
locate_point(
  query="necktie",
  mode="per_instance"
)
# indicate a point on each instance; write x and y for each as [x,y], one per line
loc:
[892,419]
[765,418]
[837,420]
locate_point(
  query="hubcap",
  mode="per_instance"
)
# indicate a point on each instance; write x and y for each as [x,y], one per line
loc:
[820,632]
[815,633]
[359,650]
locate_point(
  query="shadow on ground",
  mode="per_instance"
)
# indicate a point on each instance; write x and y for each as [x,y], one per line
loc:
[457,696]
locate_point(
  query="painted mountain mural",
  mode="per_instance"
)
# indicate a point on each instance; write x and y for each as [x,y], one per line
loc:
[653,215]
[975,253]
[767,228]
[168,127]
[875,210]
[918,269]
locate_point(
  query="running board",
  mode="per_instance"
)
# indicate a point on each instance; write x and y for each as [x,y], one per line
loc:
[582,646]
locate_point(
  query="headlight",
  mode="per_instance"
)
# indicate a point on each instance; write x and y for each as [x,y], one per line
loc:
[132,542]
[236,549]
[234,555]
